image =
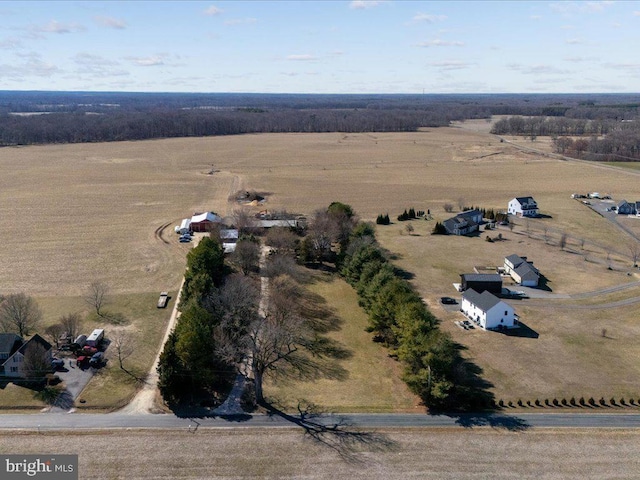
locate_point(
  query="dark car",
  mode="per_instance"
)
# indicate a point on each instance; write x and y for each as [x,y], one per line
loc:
[448,301]
[57,363]
[96,360]
[185,238]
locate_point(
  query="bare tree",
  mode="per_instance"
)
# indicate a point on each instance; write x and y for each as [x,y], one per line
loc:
[243,220]
[53,332]
[281,239]
[461,203]
[634,252]
[246,255]
[36,362]
[71,323]
[448,207]
[409,228]
[563,241]
[96,295]
[123,346]
[545,234]
[511,225]
[19,313]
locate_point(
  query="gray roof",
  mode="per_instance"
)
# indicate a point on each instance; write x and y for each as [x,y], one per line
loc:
[36,339]
[481,277]
[485,300]
[8,341]
[527,270]
[469,213]
[515,259]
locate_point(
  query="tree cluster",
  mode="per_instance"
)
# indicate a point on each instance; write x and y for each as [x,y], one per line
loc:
[410,214]
[383,219]
[433,367]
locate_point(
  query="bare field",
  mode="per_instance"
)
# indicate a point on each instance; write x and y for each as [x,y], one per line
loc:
[397,454]
[106,211]
[97,210]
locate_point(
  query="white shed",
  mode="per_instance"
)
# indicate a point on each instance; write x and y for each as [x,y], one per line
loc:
[185,226]
[487,310]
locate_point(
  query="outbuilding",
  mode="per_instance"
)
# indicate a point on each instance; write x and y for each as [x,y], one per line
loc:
[521,270]
[95,338]
[487,310]
[480,282]
[203,222]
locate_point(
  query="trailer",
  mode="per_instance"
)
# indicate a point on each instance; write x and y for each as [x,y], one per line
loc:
[95,338]
[163,299]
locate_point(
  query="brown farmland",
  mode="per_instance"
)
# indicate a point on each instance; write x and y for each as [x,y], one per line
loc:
[75,213]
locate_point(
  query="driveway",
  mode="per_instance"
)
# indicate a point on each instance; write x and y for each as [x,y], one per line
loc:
[75,380]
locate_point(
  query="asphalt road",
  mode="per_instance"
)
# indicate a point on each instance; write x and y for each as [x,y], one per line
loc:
[74,421]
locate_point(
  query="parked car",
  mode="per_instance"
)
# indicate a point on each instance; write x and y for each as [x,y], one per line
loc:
[162,301]
[82,361]
[96,360]
[185,238]
[448,301]
[57,363]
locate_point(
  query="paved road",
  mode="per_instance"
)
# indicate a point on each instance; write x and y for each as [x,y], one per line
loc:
[66,421]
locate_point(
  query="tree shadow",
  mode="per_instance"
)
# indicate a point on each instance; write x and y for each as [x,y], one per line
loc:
[64,400]
[543,284]
[493,420]
[334,432]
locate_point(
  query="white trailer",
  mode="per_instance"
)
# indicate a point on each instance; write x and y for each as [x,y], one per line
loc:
[96,337]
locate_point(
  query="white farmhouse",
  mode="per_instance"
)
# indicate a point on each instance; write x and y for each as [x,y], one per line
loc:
[523,206]
[487,310]
[13,365]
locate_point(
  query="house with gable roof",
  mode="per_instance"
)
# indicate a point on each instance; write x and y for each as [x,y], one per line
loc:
[523,207]
[521,270]
[487,310]
[13,366]
[464,223]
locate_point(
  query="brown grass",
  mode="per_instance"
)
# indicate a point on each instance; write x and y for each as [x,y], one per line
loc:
[96,211]
[439,453]
[373,384]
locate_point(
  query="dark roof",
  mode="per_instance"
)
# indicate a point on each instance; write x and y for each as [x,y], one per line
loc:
[469,213]
[8,342]
[481,277]
[522,200]
[36,339]
[526,269]
[485,300]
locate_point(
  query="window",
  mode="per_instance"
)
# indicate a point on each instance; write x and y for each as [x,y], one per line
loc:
[506,312]
[14,369]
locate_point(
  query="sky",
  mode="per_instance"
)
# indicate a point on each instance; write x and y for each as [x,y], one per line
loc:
[321,47]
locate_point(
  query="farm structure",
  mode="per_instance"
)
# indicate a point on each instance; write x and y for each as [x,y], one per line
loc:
[464,223]
[487,310]
[185,226]
[480,282]
[521,270]
[203,222]
[229,237]
[14,350]
[523,206]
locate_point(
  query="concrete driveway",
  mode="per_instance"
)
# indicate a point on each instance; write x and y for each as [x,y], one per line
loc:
[75,379]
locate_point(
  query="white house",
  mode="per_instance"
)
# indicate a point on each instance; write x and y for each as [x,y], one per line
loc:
[487,310]
[521,270]
[14,364]
[523,206]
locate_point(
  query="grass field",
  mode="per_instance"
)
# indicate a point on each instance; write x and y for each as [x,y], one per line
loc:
[106,211]
[373,384]
[397,454]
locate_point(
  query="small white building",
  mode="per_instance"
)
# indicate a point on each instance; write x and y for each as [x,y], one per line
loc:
[185,226]
[521,270]
[523,206]
[487,310]
[96,337]
[229,238]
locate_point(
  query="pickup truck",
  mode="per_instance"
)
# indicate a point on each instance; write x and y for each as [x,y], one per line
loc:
[162,301]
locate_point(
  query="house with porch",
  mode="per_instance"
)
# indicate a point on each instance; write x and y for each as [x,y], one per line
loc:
[523,207]
[464,223]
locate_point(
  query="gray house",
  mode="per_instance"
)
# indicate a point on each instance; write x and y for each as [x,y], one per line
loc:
[521,270]
[464,223]
[13,365]
[626,208]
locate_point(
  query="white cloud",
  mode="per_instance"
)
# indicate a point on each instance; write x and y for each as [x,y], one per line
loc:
[9,43]
[152,61]
[572,8]
[579,59]
[440,43]
[365,4]
[636,13]
[574,41]
[56,27]
[301,58]
[84,58]
[32,66]
[241,21]
[428,18]
[543,70]
[451,65]
[213,10]
[535,17]
[111,22]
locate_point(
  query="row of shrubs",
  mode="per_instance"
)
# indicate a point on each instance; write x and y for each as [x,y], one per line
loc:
[572,402]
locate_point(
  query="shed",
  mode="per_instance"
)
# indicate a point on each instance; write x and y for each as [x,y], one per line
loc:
[203,222]
[480,282]
[185,226]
